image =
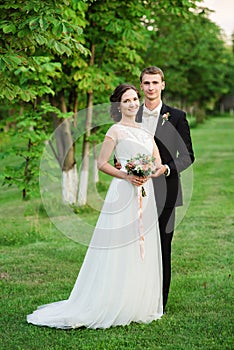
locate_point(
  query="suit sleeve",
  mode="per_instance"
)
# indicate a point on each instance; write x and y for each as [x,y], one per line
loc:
[185,155]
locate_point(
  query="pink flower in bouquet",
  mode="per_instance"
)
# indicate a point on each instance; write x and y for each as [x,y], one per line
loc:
[141,165]
[145,167]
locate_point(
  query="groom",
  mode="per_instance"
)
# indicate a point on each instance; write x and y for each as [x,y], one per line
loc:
[171,133]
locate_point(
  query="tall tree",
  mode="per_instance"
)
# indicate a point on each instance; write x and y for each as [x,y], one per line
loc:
[116,36]
[36,40]
[110,36]
[194,57]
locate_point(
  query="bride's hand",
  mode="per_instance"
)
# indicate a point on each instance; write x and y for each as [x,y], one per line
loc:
[136,180]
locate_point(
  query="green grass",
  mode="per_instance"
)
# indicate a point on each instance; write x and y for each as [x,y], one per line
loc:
[39,265]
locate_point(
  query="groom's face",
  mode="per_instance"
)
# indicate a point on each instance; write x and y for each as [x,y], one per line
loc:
[152,86]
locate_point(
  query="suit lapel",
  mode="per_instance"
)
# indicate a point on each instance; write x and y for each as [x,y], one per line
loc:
[160,120]
[159,128]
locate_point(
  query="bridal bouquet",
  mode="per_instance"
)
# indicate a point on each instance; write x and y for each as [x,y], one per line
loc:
[141,165]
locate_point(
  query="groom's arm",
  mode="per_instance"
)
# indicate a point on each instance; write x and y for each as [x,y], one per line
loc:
[184,149]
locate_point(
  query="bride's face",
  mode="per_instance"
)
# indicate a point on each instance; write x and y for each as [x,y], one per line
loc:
[129,103]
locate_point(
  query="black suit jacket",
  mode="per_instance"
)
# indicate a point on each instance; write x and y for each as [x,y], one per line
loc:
[175,147]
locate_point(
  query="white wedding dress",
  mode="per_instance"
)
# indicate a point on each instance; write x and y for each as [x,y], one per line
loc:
[116,284]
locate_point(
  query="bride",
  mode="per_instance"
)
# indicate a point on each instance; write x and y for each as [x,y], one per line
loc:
[120,280]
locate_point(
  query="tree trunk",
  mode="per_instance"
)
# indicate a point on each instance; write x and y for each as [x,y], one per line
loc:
[84,174]
[75,108]
[69,171]
[66,155]
[70,185]
[95,167]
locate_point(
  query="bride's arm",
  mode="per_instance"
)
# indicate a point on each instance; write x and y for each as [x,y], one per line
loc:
[103,165]
[104,156]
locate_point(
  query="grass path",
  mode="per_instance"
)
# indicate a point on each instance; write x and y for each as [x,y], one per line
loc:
[39,265]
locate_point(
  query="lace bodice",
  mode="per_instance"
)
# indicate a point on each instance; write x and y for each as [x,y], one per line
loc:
[130,141]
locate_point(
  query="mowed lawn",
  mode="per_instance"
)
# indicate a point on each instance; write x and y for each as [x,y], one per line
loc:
[39,265]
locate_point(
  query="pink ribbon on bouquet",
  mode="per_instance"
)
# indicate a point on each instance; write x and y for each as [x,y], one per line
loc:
[141,234]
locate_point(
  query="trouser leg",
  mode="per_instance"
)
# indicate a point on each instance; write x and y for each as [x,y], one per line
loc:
[166,226]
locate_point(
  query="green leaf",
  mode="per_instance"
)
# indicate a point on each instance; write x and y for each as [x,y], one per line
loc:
[2,64]
[40,39]
[58,29]
[27,95]
[44,24]
[45,90]
[8,93]
[34,23]
[11,60]
[10,28]
[61,48]
[82,49]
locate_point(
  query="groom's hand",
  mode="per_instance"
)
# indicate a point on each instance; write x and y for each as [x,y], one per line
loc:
[118,165]
[160,171]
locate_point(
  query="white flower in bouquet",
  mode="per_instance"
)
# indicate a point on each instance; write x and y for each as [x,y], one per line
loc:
[142,165]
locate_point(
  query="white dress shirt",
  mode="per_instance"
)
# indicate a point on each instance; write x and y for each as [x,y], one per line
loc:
[150,118]
[150,122]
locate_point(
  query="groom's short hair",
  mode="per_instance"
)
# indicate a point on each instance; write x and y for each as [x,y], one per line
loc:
[152,70]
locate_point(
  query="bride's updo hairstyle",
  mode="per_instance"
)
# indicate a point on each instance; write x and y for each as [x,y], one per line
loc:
[115,99]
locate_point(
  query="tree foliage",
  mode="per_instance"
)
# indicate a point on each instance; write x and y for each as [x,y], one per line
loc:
[29,32]
[31,130]
[197,63]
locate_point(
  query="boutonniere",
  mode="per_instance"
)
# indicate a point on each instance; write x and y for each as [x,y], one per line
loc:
[165,117]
